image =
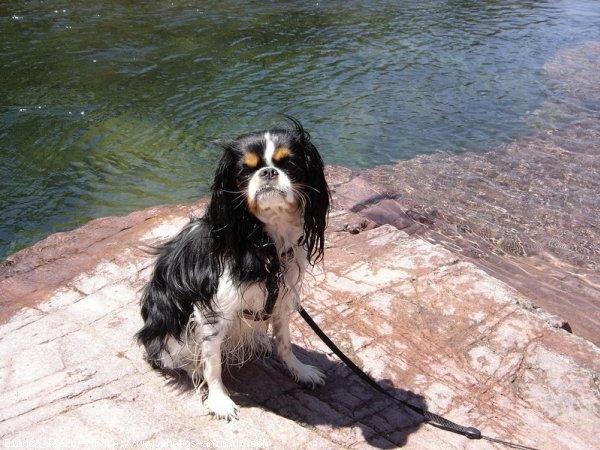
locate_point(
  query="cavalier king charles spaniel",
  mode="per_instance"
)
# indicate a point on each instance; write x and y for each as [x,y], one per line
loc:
[226,277]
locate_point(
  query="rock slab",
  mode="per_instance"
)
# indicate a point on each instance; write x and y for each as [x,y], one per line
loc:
[429,326]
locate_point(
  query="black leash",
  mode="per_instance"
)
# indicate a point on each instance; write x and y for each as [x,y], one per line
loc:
[431,418]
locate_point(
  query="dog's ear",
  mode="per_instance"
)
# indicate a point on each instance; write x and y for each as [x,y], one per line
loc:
[316,192]
[224,189]
[317,205]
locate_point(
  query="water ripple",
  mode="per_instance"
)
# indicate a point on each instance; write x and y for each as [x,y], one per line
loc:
[108,107]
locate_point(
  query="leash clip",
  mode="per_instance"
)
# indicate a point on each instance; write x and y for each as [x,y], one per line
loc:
[472,433]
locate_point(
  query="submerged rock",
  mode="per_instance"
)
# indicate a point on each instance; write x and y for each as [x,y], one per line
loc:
[426,323]
[526,213]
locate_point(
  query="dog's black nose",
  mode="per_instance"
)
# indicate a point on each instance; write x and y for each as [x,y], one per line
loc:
[269,173]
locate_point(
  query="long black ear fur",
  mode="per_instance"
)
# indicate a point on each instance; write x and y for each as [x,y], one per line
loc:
[317,194]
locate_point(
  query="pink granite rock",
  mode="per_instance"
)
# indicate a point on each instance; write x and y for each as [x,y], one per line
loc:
[428,325]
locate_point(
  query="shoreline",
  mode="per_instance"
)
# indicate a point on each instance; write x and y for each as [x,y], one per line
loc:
[373,198]
[527,213]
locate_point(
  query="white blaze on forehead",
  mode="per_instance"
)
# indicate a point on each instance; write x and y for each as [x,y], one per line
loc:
[269,149]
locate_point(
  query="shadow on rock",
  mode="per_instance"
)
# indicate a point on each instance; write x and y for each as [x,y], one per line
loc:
[343,405]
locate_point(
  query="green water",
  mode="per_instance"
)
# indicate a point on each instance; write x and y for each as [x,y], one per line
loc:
[106,107]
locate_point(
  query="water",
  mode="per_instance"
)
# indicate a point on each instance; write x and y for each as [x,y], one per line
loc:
[107,107]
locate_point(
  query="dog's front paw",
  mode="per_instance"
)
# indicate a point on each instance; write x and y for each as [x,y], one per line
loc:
[305,374]
[221,406]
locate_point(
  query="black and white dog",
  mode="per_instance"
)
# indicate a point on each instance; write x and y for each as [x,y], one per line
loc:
[220,283]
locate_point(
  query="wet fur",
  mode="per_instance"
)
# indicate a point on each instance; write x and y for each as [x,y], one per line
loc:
[248,250]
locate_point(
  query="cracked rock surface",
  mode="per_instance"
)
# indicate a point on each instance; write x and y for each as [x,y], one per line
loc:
[426,323]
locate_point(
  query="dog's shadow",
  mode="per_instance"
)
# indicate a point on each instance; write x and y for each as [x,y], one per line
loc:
[345,404]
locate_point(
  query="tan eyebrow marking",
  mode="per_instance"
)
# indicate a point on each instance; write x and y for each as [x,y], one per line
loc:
[251,160]
[281,153]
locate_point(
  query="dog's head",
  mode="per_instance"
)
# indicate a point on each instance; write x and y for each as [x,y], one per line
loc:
[274,175]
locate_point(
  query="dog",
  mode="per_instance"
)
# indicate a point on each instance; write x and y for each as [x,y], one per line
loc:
[233,274]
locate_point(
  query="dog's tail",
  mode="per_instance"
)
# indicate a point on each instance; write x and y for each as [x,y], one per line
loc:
[162,318]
